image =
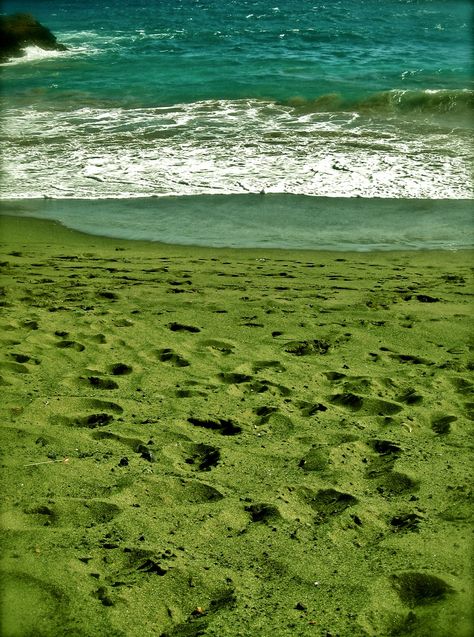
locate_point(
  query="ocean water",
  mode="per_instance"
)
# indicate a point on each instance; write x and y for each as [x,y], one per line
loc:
[196,103]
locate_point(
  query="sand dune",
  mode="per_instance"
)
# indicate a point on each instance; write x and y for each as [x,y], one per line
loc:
[233,443]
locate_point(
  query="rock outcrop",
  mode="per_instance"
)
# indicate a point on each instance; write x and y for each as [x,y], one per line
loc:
[21,30]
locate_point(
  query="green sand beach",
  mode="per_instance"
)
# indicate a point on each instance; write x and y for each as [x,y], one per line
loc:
[236,443]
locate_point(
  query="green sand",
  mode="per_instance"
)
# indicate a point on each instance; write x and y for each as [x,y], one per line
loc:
[258,442]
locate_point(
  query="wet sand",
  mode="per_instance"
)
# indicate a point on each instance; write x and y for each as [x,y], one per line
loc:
[233,442]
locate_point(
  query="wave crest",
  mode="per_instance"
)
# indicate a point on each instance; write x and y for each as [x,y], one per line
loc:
[436,101]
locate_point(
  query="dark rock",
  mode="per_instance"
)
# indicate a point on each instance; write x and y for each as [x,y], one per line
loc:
[22,29]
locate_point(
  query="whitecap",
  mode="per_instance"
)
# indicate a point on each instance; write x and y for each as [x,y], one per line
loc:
[34,53]
[228,147]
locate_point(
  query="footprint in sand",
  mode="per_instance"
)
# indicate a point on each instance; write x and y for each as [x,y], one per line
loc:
[441,425]
[317,459]
[91,421]
[234,378]
[263,512]
[29,602]
[101,383]
[137,445]
[31,325]
[179,327]
[197,622]
[74,345]
[193,388]
[307,348]
[264,413]
[310,409]
[23,358]
[463,386]
[275,366]
[327,503]
[167,355]
[420,589]
[74,512]
[200,456]
[411,360]
[15,368]
[88,420]
[217,347]
[410,397]
[388,481]
[221,425]
[406,522]
[120,369]
[261,386]
[196,492]
[369,406]
[108,295]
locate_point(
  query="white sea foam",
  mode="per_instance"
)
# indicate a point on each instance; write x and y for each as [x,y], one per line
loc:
[217,147]
[33,53]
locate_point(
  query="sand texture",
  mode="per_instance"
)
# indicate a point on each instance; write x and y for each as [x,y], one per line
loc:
[233,443]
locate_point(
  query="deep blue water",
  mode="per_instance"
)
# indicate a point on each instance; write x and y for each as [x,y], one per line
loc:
[333,98]
[156,52]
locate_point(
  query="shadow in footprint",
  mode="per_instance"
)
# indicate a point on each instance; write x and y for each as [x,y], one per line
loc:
[232,378]
[406,522]
[420,589]
[412,360]
[374,406]
[168,356]
[334,376]
[328,503]
[101,383]
[310,409]
[442,424]
[317,459]
[179,327]
[77,347]
[75,513]
[410,397]
[307,348]
[264,414]
[223,426]
[388,482]
[105,405]
[218,346]
[263,512]
[261,386]
[202,457]
[348,400]
[16,368]
[274,365]
[93,421]
[395,483]
[120,369]
[198,492]
[197,623]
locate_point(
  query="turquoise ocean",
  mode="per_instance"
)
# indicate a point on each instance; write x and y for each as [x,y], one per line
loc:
[341,124]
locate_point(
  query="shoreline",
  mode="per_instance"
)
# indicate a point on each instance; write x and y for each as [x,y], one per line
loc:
[51,232]
[270,221]
[228,442]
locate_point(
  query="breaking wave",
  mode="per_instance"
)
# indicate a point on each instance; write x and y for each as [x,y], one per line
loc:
[435,101]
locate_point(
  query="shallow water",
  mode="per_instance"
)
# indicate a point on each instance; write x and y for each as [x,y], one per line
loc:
[266,221]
